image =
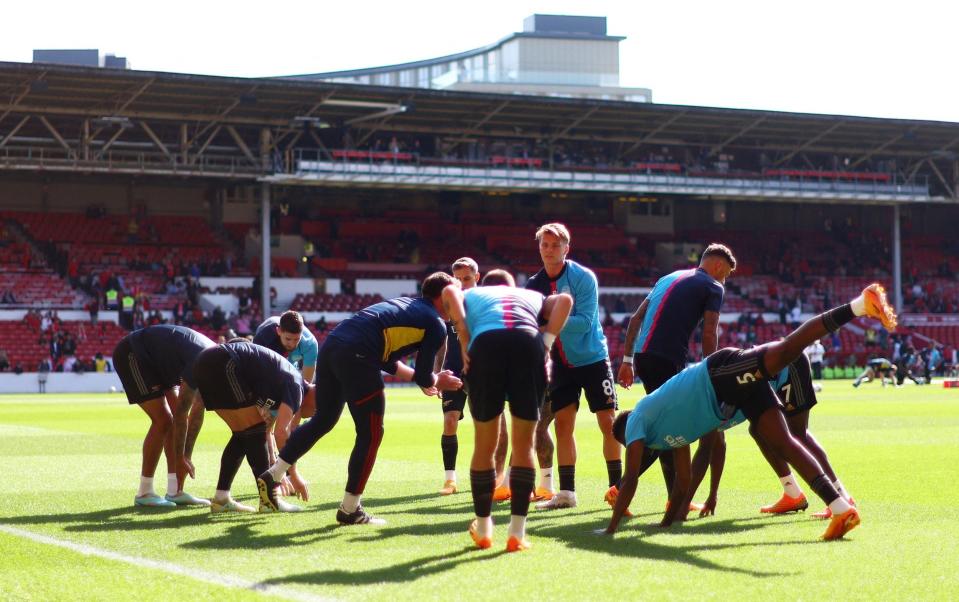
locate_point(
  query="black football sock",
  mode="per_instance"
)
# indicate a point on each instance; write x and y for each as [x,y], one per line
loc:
[567,477]
[482,482]
[521,481]
[450,446]
[614,471]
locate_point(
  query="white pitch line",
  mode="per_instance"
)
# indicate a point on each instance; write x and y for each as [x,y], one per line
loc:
[168,567]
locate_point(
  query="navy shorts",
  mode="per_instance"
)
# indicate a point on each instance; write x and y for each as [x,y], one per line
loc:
[653,370]
[141,381]
[740,379]
[797,395]
[595,380]
[455,401]
[217,381]
[506,364]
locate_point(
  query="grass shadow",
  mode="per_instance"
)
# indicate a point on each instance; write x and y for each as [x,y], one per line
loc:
[403,572]
[633,540]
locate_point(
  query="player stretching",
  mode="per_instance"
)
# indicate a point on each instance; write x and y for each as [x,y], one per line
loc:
[504,358]
[150,363]
[288,336]
[877,366]
[242,383]
[701,397]
[794,388]
[664,322]
[349,372]
[580,362]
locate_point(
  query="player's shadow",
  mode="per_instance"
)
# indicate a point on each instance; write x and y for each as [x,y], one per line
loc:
[430,528]
[242,536]
[632,540]
[403,572]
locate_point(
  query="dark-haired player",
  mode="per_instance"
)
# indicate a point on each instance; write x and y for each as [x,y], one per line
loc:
[151,362]
[243,382]
[580,364]
[288,335]
[349,369]
[703,396]
[504,358]
[657,338]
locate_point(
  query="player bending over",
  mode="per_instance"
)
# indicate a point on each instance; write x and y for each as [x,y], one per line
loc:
[242,383]
[701,397]
[151,362]
[794,388]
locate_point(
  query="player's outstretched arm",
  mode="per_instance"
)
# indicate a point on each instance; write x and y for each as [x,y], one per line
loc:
[627,488]
[702,460]
[625,376]
[184,465]
[679,496]
[716,464]
[191,398]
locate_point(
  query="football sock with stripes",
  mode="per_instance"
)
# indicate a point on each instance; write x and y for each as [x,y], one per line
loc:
[521,480]
[482,481]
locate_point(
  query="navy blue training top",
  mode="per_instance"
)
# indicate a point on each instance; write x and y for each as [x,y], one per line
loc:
[676,305]
[385,332]
[267,375]
[169,350]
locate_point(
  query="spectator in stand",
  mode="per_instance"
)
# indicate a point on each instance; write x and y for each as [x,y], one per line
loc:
[101,364]
[242,324]
[56,348]
[18,369]
[43,371]
[8,297]
[112,296]
[4,360]
[93,306]
[815,354]
[33,320]
[217,318]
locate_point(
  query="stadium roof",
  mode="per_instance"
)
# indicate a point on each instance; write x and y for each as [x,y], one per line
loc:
[63,91]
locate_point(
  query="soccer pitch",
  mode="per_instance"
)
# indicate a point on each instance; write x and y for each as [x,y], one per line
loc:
[69,530]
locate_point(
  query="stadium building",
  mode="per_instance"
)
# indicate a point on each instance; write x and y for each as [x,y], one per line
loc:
[207,200]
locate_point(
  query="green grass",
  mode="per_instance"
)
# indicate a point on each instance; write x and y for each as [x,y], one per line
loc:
[71,466]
